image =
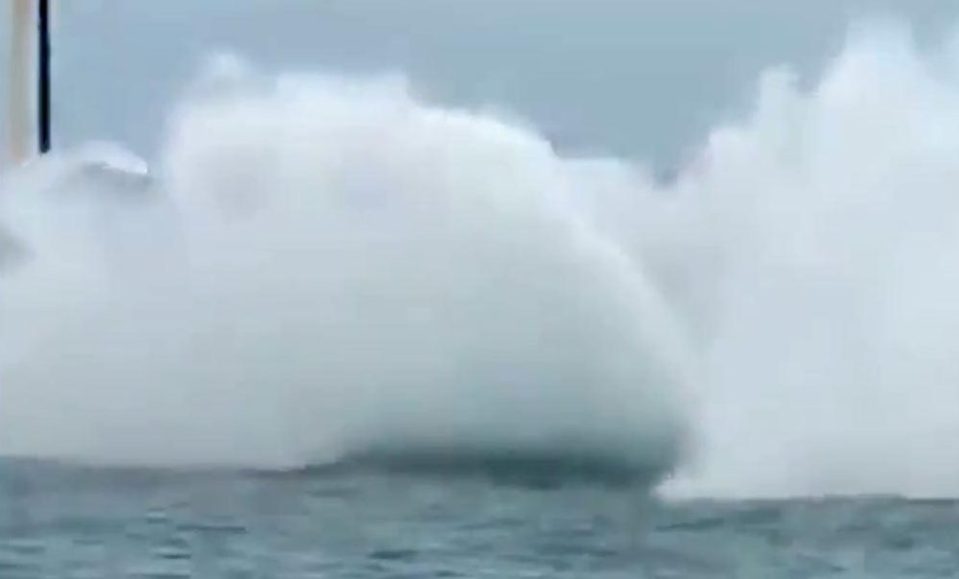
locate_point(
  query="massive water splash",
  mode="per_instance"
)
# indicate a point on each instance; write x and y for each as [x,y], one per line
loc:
[812,247]
[352,270]
[327,269]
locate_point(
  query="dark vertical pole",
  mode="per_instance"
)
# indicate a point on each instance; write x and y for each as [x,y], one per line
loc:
[43,92]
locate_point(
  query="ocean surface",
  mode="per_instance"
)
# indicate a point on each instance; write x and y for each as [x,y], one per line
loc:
[63,523]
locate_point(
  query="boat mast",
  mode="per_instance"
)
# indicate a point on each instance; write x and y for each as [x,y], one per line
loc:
[43,77]
[20,94]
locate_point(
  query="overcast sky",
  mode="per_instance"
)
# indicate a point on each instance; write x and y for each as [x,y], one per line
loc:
[641,78]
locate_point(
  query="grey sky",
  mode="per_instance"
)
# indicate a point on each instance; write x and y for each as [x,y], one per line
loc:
[640,78]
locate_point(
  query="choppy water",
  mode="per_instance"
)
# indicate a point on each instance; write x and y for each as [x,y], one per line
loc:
[72,524]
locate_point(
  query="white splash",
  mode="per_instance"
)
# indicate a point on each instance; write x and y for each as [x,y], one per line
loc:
[352,270]
[359,269]
[812,246]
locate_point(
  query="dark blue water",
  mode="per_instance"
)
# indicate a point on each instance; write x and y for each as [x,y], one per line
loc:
[67,523]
